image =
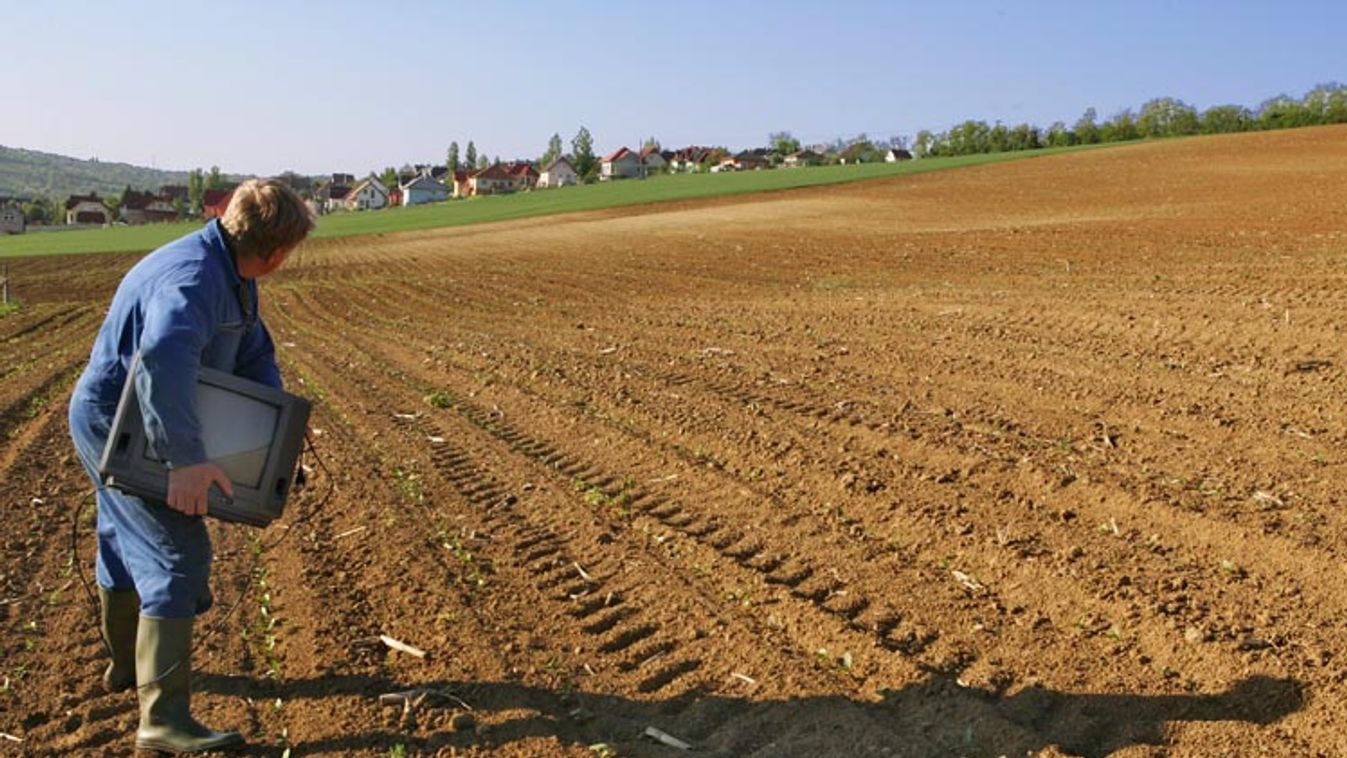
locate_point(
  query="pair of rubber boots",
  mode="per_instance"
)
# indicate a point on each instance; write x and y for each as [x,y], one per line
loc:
[157,653]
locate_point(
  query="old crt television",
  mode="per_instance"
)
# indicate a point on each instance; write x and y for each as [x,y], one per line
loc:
[252,431]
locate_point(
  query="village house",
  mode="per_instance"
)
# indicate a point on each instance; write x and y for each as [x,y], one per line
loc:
[801,158]
[395,197]
[492,180]
[87,209]
[752,160]
[725,166]
[423,189]
[215,202]
[12,220]
[369,195]
[558,173]
[893,155]
[145,208]
[331,197]
[621,164]
[462,184]
[408,173]
[653,159]
[525,175]
[692,158]
[174,192]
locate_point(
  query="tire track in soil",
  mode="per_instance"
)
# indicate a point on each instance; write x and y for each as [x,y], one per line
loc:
[830,414]
[557,573]
[527,616]
[587,611]
[1167,589]
[819,594]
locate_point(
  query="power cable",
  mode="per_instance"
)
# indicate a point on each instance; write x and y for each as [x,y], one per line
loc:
[251,575]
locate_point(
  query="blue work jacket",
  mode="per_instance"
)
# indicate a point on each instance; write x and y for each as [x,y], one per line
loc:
[182,307]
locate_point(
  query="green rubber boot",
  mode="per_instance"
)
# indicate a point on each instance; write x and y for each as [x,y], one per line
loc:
[164,673]
[121,611]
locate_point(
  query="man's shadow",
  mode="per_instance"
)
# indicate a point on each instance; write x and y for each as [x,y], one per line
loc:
[932,718]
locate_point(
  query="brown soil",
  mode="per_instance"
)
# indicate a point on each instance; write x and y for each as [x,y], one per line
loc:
[1039,458]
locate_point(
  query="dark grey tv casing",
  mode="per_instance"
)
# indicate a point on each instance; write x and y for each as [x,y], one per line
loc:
[126,467]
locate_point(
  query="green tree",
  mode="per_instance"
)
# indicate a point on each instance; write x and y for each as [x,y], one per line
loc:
[582,148]
[554,148]
[452,160]
[1087,128]
[1167,117]
[924,143]
[40,210]
[215,180]
[1225,119]
[1025,137]
[483,161]
[783,143]
[1327,104]
[196,187]
[1282,112]
[471,155]
[1059,136]
[389,177]
[1121,128]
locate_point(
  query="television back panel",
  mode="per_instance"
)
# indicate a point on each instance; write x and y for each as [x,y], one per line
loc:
[253,432]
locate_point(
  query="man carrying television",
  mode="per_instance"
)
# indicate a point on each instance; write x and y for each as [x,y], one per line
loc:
[189,304]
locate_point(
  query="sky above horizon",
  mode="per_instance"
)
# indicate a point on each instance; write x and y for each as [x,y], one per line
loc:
[261,87]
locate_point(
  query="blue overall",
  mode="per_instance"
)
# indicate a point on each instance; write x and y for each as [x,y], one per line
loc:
[182,307]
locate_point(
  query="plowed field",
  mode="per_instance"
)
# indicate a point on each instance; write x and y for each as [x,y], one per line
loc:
[1034,458]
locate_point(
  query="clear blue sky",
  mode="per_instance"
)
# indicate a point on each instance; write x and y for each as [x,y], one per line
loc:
[341,85]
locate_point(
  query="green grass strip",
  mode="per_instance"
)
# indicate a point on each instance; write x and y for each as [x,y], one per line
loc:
[519,205]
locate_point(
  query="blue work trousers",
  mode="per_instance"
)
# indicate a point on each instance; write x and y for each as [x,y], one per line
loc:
[162,554]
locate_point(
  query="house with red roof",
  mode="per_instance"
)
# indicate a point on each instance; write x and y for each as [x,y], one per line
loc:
[653,159]
[215,202]
[526,176]
[146,208]
[621,164]
[691,158]
[461,186]
[492,180]
[87,209]
[171,192]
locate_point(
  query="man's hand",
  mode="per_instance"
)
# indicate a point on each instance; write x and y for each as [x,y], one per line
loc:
[189,487]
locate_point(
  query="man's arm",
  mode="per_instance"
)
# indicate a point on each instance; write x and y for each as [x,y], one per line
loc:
[180,319]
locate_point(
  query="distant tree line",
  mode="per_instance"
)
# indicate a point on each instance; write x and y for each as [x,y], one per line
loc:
[1161,117]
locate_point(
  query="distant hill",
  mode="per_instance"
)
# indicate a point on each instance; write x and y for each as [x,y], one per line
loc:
[27,173]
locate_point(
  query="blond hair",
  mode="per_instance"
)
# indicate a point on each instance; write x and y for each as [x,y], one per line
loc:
[266,215]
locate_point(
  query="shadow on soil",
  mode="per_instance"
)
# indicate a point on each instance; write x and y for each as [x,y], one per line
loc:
[935,717]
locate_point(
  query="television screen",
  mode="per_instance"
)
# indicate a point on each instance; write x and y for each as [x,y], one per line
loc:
[242,430]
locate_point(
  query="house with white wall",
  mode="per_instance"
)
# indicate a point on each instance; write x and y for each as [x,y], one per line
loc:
[558,173]
[492,180]
[369,195]
[12,220]
[621,164]
[424,189]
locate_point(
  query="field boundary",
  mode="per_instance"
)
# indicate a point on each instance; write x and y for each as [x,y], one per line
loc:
[567,201]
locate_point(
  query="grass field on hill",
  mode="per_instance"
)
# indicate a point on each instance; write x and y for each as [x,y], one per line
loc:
[508,207]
